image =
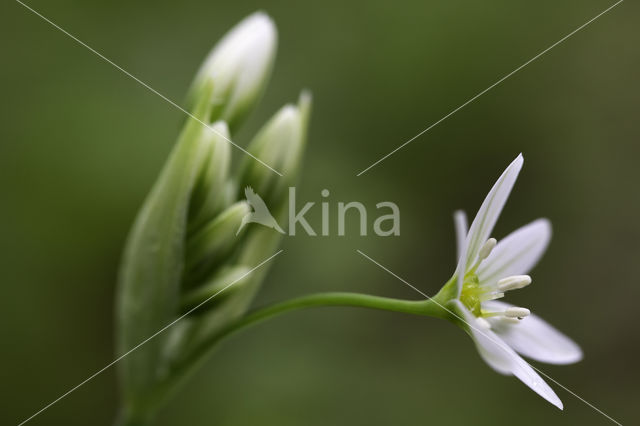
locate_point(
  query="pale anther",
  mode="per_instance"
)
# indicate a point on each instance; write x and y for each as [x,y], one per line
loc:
[516,312]
[486,249]
[514,282]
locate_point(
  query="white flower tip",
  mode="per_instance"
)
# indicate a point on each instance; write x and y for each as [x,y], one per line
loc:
[246,49]
[516,312]
[577,354]
[288,112]
[261,16]
[262,30]
[304,102]
[221,128]
[517,163]
[258,26]
[239,66]
[546,228]
[514,282]
[305,96]
[486,249]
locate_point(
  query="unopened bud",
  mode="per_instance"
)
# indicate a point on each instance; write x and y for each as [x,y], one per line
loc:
[280,143]
[239,67]
[209,194]
[211,244]
[217,289]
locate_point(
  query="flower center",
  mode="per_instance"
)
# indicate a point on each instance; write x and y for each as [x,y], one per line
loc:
[474,292]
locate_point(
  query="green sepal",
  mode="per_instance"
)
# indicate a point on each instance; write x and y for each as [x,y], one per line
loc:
[152,265]
[209,196]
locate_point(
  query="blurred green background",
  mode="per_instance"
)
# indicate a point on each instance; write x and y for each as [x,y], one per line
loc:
[82,143]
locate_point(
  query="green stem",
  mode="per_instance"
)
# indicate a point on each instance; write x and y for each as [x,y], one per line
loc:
[427,307]
[416,307]
[432,307]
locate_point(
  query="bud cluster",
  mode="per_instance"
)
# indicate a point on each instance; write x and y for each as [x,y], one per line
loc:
[187,243]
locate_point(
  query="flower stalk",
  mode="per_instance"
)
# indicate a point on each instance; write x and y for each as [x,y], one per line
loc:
[425,307]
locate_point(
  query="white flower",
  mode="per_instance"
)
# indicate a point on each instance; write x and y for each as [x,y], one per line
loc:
[239,66]
[486,270]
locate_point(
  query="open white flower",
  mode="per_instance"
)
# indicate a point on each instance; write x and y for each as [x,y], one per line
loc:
[486,270]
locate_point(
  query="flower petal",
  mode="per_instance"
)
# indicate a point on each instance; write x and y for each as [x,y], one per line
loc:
[502,358]
[460,222]
[535,338]
[490,210]
[517,253]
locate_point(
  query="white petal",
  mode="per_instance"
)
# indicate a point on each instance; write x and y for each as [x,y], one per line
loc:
[503,359]
[460,222]
[535,338]
[517,253]
[490,210]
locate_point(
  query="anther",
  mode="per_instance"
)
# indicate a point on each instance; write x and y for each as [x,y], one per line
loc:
[486,249]
[514,282]
[516,312]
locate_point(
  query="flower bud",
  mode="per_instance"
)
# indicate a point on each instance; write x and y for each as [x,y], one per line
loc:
[210,192]
[239,67]
[210,245]
[221,286]
[279,143]
[151,270]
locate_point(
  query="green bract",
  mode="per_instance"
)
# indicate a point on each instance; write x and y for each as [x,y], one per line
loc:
[186,246]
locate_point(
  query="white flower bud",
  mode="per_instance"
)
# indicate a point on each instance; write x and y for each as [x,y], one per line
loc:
[280,143]
[212,244]
[239,67]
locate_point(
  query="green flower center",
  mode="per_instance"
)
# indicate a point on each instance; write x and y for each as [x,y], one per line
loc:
[472,293]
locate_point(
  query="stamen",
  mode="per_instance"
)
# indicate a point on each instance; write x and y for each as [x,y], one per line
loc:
[489,314]
[486,249]
[491,296]
[516,312]
[510,320]
[514,282]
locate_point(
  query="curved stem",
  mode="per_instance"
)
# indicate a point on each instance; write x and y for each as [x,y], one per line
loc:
[416,307]
[427,307]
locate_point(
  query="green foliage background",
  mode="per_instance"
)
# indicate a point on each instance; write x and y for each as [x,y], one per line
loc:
[82,143]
